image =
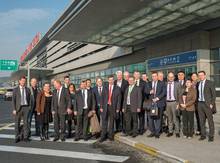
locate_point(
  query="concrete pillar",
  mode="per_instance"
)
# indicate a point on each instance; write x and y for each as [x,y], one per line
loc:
[203,61]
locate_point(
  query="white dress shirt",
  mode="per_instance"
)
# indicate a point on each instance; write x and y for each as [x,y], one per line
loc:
[154,83]
[59,91]
[119,83]
[85,98]
[172,91]
[25,99]
[201,91]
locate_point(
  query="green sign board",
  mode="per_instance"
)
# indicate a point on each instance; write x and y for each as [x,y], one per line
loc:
[8,65]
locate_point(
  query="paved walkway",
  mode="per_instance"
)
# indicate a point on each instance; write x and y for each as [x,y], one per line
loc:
[192,150]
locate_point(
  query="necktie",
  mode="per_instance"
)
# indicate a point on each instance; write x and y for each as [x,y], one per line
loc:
[170,90]
[83,92]
[22,97]
[154,88]
[58,98]
[137,83]
[129,90]
[201,89]
[100,91]
[110,95]
[129,94]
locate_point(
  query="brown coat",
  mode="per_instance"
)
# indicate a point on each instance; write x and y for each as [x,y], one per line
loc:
[40,103]
[190,100]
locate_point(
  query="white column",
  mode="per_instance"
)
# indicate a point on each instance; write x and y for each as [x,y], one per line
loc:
[203,61]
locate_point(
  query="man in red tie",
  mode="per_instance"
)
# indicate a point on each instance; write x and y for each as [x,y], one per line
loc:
[109,105]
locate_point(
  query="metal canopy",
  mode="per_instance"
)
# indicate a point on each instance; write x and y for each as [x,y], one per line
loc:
[40,73]
[128,22]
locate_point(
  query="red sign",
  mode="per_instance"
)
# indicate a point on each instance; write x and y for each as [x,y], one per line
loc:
[30,47]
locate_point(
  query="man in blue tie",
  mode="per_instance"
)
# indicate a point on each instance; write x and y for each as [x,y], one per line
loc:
[206,105]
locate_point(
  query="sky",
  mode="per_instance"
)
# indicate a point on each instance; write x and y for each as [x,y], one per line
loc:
[21,20]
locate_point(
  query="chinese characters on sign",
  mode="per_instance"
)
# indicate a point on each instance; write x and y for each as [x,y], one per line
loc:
[10,65]
[34,42]
[182,58]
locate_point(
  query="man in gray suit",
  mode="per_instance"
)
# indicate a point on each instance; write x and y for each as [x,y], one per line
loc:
[84,103]
[172,102]
[131,107]
[61,106]
[21,108]
[206,105]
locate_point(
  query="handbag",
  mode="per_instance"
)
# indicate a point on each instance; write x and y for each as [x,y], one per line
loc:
[154,110]
[94,124]
[147,104]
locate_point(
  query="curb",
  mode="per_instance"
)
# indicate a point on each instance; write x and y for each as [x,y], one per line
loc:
[148,149]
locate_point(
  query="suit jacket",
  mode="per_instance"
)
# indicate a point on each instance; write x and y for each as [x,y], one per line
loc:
[115,101]
[209,93]
[161,92]
[79,101]
[142,86]
[97,96]
[124,86]
[190,100]
[178,90]
[33,99]
[135,99]
[40,102]
[65,101]
[16,98]
[182,87]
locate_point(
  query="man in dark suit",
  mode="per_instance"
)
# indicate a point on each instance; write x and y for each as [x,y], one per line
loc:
[141,115]
[98,93]
[66,81]
[88,84]
[122,84]
[206,104]
[110,105]
[84,103]
[61,106]
[21,108]
[34,91]
[157,95]
[131,107]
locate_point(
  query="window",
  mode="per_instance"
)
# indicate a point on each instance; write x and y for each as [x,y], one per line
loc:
[215,66]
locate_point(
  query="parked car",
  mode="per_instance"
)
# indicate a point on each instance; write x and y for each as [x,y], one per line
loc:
[2,93]
[8,94]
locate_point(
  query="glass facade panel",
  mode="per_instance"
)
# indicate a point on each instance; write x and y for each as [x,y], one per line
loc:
[215,66]
[105,73]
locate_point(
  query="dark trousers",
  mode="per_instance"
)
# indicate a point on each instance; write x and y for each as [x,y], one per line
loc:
[141,117]
[206,112]
[82,124]
[22,113]
[120,122]
[131,119]
[188,123]
[69,119]
[155,123]
[197,118]
[30,116]
[60,124]
[43,126]
[108,123]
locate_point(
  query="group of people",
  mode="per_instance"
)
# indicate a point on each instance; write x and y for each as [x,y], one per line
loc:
[130,104]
